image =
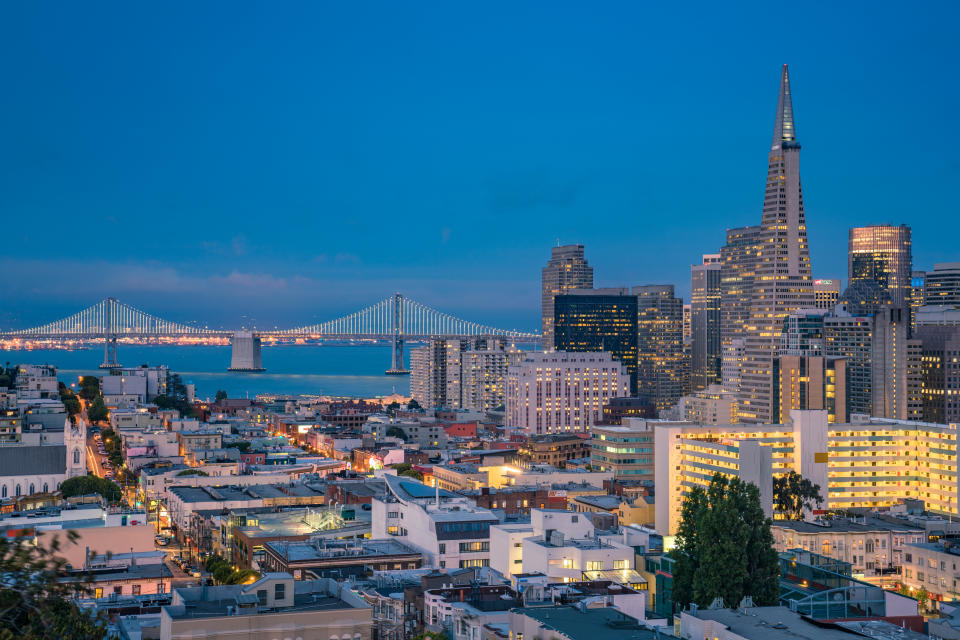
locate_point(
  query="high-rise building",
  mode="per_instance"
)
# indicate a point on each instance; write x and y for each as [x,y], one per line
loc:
[826,293]
[713,405]
[895,367]
[461,373]
[626,450]
[738,265]
[782,282]
[882,254]
[940,371]
[917,282]
[810,382]
[851,337]
[661,366]
[705,295]
[556,391]
[567,269]
[942,285]
[598,320]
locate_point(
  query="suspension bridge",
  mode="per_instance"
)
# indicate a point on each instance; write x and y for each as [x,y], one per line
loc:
[396,319]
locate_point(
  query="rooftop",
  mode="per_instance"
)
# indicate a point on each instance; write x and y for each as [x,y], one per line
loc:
[576,624]
[775,623]
[844,525]
[320,550]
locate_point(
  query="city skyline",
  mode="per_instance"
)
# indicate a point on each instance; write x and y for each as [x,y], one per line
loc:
[200,164]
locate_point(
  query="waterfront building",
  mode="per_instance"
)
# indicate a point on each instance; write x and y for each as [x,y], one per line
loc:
[661,365]
[942,285]
[598,320]
[783,281]
[705,296]
[557,391]
[882,254]
[826,293]
[567,269]
[626,450]
[465,373]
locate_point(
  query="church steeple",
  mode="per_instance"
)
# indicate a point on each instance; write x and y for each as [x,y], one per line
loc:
[784,130]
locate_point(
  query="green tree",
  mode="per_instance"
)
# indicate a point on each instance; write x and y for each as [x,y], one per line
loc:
[85,485]
[97,411]
[397,432]
[89,388]
[192,472]
[792,494]
[413,405]
[923,597]
[724,547]
[175,397]
[221,395]
[34,603]
[70,401]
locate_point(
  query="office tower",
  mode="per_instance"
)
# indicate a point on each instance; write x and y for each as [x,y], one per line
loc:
[826,293]
[705,300]
[556,391]
[803,333]
[783,281]
[942,285]
[810,382]
[882,254]
[598,320]
[940,371]
[851,337]
[461,373]
[917,281]
[660,360]
[895,367]
[687,319]
[625,450]
[738,264]
[713,405]
[567,269]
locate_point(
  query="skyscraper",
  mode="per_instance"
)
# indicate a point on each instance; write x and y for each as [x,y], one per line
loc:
[705,293]
[598,320]
[567,269]
[661,366]
[942,285]
[738,265]
[882,254]
[826,293]
[783,281]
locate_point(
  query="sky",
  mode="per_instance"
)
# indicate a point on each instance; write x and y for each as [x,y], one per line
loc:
[256,163]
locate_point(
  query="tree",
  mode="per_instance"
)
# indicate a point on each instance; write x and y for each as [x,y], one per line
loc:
[34,603]
[792,494]
[97,411]
[175,397]
[85,485]
[397,432]
[724,547]
[70,401]
[89,388]
[223,572]
[192,472]
[221,395]
[413,405]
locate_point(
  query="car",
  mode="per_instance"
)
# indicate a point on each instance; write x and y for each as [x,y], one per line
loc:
[162,541]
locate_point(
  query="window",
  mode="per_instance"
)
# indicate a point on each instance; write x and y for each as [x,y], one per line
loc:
[118,590]
[472,547]
[135,589]
[443,548]
[262,597]
[619,564]
[161,588]
[594,565]
[567,563]
[279,591]
[98,592]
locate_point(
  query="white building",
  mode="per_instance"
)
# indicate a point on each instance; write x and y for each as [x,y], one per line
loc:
[39,464]
[450,530]
[556,391]
[461,373]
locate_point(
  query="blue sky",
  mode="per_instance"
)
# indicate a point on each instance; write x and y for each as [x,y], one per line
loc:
[287,162]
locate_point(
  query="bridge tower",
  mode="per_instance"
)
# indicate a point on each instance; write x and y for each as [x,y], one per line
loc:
[396,364]
[108,307]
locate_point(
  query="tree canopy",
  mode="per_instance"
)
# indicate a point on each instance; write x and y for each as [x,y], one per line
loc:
[220,395]
[724,547]
[175,397]
[89,388]
[224,573]
[397,432]
[793,494]
[97,411]
[34,603]
[85,485]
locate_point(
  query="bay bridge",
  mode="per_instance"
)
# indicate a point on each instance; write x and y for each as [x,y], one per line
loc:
[396,319]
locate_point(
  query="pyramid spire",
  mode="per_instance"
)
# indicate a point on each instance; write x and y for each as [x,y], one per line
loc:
[784,130]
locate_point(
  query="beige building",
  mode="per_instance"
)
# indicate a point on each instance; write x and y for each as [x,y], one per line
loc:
[273,606]
[713,405]
[567,269]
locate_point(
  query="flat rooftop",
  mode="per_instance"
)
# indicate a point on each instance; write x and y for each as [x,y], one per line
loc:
[844,525]
[771,623]
[312,550]
[605,622]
